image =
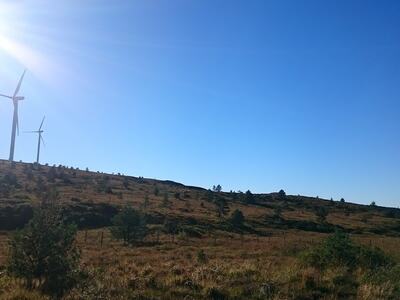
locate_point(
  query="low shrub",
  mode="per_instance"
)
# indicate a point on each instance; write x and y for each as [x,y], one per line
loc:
[339,250]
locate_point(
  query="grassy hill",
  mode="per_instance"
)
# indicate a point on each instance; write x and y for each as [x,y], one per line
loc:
[207,258]
[93,198]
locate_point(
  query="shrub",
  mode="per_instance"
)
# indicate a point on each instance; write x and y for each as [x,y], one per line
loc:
[201,257]
[171,226]
[373,258]
[339,250]
[10,179]
[321,213]
[129,225]
[249,198]
[214,293]
[384,281]
[45,250]
[282,194]
[217,188]
[336,250]
[237,218]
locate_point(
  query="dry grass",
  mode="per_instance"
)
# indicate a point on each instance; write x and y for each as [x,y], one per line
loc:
[258,263]
[239,267]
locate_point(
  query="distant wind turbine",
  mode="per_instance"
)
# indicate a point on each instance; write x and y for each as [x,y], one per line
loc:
[40,139]
[15,124]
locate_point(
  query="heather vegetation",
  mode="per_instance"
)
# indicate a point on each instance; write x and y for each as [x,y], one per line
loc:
[72,234]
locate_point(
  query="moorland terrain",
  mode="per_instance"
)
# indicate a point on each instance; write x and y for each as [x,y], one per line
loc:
[195,248]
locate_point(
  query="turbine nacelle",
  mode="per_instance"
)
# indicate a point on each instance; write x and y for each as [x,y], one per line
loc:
[16,98]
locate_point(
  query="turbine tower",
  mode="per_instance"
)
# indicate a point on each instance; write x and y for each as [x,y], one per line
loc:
[15,124]
[40,139]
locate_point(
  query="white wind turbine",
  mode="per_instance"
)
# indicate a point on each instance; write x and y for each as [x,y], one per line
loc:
[40,139]
[15,126]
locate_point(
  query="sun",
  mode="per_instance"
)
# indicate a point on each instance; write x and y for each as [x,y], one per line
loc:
[15,42]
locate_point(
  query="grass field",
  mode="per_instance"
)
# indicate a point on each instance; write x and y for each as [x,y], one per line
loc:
[206,258]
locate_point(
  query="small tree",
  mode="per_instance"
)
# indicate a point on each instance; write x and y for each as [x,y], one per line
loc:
[171,227]
[282,194]
[221,206]
[373,203]
[321,213]
[45,250]
[201,256]
[249,198]
[237,218]
[217,188]
[129,225]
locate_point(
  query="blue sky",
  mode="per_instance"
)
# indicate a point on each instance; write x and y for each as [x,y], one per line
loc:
[259,95]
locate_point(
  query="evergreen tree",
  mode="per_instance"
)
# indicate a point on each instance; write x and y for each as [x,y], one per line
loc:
[237,218]
[45,250]
[129,225]
[249,198]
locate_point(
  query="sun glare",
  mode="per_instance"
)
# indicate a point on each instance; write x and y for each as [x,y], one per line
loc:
[14,44]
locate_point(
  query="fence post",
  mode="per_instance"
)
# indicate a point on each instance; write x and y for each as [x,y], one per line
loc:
[101,239]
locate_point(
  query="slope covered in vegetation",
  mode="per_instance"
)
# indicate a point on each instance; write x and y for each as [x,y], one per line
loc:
[194,243]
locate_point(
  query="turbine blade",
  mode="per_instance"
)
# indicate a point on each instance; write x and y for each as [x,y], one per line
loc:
[34,131]
[19,84]
[41,124]
[41,138]
[9,97]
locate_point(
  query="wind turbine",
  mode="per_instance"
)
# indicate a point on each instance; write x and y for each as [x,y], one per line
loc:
[15,126]
[40,139]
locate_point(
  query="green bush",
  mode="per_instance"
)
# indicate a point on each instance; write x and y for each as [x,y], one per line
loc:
[129,225]
[282,194]
[237,218]
[373,258]
[339,250]
[45,250]
[336,250]
[249,197]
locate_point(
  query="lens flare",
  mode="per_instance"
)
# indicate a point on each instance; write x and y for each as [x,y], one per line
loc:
[14,30]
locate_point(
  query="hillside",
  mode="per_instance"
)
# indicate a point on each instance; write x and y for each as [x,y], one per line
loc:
[205,256]
[93,198]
